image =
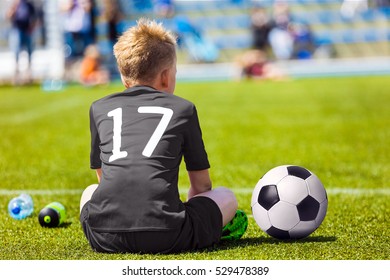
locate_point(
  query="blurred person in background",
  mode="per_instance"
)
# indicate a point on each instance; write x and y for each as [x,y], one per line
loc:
[113,16]
[78,33]
[304,45]
[22,15]
[164,8]
[191,38]
[91,71]
[349,8]
[261,26]
[280,37]
[253,64]
[382,3]
[77,26]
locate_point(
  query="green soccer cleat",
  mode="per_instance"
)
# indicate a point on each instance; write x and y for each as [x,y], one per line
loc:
[236,227]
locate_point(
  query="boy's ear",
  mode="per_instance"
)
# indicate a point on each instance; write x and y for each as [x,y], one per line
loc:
[164,78]
[124,82]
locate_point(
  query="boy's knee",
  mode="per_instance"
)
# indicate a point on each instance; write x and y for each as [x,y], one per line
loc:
[87,194]
[228,195]
[226,201]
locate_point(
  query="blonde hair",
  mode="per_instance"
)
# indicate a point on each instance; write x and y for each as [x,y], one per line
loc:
[144,50]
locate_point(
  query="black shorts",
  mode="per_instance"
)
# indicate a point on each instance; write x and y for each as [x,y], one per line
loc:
[201,229]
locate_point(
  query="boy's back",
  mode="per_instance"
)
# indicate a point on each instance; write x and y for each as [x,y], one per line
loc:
[138,139]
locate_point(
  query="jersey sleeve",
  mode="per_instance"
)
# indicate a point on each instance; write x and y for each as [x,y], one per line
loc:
[195,155]
[95,161]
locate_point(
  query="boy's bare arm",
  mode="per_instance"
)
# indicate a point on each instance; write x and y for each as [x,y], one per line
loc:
[99,174]
[200,182]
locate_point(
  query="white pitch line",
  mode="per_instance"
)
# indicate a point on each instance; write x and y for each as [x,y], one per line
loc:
[329,191]
[183,191]
[43,192]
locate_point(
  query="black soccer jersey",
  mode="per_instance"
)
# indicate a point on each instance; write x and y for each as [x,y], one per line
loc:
[138,138]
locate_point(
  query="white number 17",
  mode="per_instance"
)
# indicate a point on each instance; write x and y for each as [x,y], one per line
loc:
[154,139]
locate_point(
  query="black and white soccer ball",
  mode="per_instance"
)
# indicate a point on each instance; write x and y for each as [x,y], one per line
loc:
[289,202]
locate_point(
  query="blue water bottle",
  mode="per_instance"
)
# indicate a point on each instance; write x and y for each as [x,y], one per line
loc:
[21,207]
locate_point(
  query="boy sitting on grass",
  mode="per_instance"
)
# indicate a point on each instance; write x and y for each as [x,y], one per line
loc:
[138,139]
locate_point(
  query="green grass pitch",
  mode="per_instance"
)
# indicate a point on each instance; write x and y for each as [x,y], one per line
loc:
[339,128]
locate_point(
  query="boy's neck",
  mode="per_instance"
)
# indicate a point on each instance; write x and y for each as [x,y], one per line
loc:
[142,85]
[130,84]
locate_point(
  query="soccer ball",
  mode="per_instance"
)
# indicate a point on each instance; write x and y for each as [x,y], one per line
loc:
[289,202]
